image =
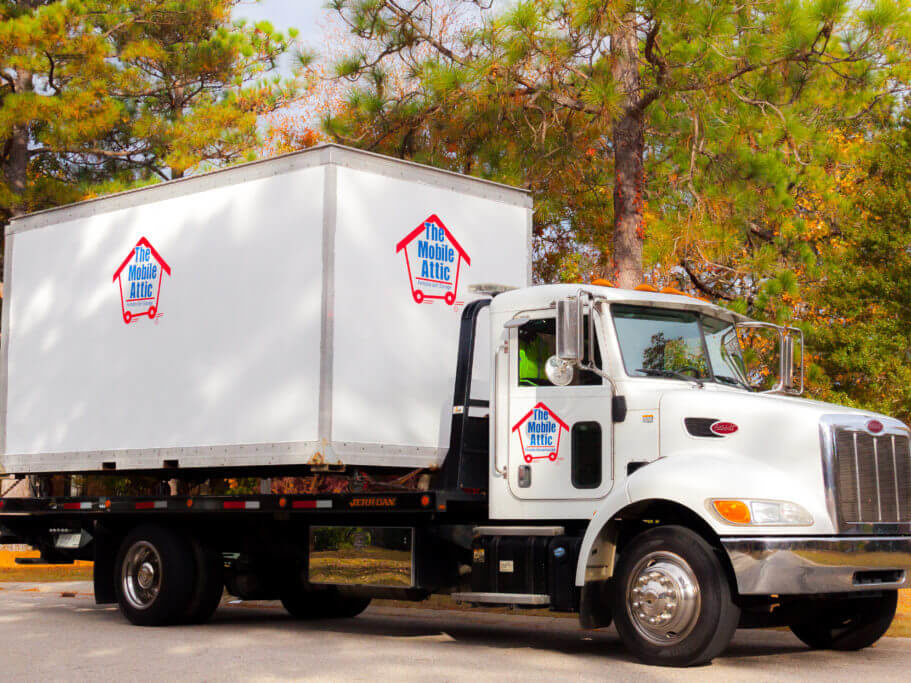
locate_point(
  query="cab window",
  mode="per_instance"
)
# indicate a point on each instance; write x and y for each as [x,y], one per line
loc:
[659,342]
[537,343]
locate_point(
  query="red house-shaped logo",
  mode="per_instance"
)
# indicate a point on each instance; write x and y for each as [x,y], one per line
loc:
[539,433]
[139,278]
[433,258]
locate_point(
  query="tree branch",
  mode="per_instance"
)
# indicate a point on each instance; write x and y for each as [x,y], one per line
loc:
[700,285]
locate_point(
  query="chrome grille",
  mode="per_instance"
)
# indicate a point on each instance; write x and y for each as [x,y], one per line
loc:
[872,477]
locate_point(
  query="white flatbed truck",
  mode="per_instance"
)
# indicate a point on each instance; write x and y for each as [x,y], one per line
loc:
[323,315]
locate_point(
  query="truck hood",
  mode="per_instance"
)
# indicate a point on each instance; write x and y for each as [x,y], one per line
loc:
[776,439]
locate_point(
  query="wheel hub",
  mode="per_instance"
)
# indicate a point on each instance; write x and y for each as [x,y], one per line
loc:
[663,599]
[146,575]
[140,575]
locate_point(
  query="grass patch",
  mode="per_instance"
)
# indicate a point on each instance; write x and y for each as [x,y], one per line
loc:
[10,571]
[901,625]
[46,573]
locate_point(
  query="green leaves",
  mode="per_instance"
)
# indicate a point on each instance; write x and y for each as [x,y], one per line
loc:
[111,92]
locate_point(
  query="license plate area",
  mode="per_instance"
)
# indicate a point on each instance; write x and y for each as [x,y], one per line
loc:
[362,556]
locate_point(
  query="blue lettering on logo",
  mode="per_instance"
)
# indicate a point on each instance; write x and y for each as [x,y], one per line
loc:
[541,430]
[436,255]
[142,275]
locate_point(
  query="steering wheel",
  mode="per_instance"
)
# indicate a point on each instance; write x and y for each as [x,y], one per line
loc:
[692,369]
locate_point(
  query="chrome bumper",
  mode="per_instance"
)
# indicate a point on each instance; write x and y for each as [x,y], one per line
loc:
[781,566]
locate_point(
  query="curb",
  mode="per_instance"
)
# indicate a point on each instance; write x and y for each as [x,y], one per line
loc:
[8,561]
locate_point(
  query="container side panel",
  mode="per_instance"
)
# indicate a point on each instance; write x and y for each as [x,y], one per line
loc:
[222,343]
[405,256]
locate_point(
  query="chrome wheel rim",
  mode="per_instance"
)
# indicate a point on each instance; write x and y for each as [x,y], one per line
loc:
[141,575]
[663,600]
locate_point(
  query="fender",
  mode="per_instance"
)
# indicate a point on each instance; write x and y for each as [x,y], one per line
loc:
[688,480]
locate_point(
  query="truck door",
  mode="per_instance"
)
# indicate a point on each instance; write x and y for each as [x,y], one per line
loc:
[559,436]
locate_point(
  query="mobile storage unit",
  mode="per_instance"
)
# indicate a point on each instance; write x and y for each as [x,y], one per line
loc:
[302,309]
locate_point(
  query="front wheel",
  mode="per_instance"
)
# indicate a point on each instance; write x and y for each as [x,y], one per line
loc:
[848,623]
[672,601]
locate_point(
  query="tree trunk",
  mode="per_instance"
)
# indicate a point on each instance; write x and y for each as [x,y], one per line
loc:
[629,145]
[15,168]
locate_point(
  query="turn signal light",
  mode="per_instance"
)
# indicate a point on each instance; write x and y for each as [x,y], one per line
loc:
[761,512]
[734,511]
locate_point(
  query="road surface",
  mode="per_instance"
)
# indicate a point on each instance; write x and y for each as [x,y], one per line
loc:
[56,632]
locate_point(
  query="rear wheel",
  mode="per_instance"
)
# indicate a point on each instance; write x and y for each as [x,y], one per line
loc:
[209,585]
[672,602]
[848,623]
[155,573]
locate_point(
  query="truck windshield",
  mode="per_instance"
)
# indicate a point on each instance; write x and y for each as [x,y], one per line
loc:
[662,342]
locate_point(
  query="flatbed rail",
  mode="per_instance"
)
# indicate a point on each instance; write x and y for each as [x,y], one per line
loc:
[410,502]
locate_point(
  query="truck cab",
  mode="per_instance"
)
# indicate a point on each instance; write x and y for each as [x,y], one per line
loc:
[629,416]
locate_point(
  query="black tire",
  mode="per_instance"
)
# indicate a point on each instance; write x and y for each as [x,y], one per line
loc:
[321,603]
[847,623]
[173,572]
[695,611]
[209,585]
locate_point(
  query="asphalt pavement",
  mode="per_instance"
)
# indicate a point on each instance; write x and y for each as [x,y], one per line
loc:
[56,632]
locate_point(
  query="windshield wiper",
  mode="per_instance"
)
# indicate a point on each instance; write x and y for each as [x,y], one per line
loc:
[733,381]
[652,372]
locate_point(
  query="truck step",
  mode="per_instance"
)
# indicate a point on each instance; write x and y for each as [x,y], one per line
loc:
[524,599]
[518,531]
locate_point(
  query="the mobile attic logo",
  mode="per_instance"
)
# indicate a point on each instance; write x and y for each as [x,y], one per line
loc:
[539,433]
[139,277]
[433,258]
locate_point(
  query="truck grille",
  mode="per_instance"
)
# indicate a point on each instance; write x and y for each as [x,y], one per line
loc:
[872,477]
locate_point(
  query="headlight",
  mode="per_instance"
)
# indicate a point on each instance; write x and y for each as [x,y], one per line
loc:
[760,512]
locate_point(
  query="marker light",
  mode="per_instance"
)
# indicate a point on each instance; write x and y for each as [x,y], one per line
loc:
[762,512]
[733,511]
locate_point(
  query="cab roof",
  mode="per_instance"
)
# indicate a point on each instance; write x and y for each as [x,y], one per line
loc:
[542,296]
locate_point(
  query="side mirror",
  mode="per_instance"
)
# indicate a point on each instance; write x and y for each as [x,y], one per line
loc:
[560,372]
[569,329]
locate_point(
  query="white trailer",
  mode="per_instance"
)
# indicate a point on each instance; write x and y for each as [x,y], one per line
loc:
[299,310]
[579,447]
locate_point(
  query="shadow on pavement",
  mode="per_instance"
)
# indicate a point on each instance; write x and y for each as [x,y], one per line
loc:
[508,632]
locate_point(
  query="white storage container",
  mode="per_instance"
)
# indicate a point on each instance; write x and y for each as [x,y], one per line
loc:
[301,309]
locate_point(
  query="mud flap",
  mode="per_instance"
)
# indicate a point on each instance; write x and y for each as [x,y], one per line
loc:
[595,604]
[105,551]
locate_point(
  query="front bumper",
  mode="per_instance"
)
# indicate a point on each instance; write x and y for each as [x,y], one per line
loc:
[782,566]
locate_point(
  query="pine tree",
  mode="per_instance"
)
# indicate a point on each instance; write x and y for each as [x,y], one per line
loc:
[96,95]
[617,112]
[858,313]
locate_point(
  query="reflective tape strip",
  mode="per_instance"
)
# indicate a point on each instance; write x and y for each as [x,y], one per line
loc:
[311,504]
[152,505]
[241,505]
